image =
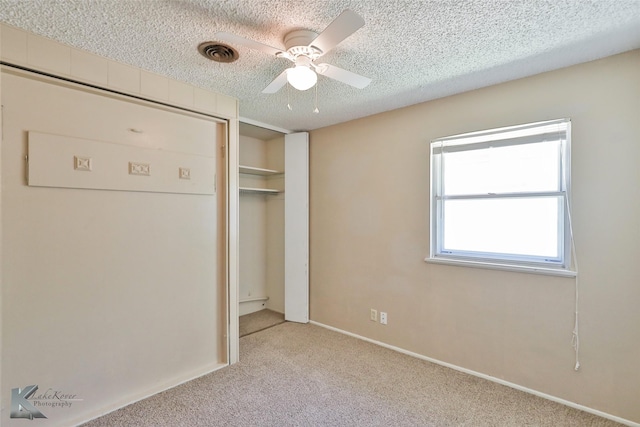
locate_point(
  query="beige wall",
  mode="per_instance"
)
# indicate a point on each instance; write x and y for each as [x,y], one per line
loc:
[370,235]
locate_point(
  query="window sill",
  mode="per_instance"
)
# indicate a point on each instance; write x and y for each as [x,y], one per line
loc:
[504,267]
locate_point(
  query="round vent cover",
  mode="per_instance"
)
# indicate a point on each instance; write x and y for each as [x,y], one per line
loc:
[218,52]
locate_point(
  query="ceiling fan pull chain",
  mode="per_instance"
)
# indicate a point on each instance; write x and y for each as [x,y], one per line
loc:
[315,110]
[289,97]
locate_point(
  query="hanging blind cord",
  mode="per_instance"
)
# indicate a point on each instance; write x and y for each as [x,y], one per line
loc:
[575,339]
[575,336]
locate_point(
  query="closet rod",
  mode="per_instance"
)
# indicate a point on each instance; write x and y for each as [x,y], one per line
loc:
[255,299]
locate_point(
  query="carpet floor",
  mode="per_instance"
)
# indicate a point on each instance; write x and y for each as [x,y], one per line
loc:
[305,375]
[255,322]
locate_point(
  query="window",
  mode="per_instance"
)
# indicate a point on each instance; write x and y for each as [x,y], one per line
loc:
[500,197]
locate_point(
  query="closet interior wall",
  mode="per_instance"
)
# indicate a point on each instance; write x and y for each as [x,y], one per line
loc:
[261,224]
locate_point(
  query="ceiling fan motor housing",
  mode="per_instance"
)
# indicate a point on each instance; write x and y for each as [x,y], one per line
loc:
[297,43]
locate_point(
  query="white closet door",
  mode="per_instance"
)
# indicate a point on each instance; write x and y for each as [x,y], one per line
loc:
[120,286]
[296,228]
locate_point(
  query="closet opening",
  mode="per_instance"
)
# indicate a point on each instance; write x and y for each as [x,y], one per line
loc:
[273,228]
[261,223]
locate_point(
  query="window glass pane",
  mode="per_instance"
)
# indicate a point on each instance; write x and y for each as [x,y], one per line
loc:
[511,169]
[523,226]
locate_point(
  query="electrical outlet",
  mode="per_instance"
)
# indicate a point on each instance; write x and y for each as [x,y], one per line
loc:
[374,315]
[383,318]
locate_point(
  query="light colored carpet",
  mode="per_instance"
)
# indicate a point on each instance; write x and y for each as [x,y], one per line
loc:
[305,375]
[263,319]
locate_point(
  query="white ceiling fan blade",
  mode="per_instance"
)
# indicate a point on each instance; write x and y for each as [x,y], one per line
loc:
[343,76]
[347,23]
[251,44]
[277,83]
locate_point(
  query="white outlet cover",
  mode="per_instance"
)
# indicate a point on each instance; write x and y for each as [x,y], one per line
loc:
[383,318]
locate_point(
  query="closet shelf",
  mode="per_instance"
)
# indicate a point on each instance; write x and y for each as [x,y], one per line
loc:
[250,170]
[248,190]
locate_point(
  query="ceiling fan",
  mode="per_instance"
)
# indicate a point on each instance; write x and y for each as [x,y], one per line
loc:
[304,48]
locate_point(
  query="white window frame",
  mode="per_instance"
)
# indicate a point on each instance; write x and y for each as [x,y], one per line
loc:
[512,135]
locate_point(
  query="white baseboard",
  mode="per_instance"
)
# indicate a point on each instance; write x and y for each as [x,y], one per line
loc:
[248,307]
[166,385]
[484,376]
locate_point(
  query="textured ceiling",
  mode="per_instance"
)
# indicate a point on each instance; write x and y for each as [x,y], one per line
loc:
[414,50]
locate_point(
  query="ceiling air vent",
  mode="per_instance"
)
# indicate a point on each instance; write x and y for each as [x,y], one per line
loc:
[218,52]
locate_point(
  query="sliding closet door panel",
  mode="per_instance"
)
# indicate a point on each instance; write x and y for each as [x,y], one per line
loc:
[296,227]
[106,295]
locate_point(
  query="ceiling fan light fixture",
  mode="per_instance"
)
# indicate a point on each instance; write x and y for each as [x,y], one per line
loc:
[301,77]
